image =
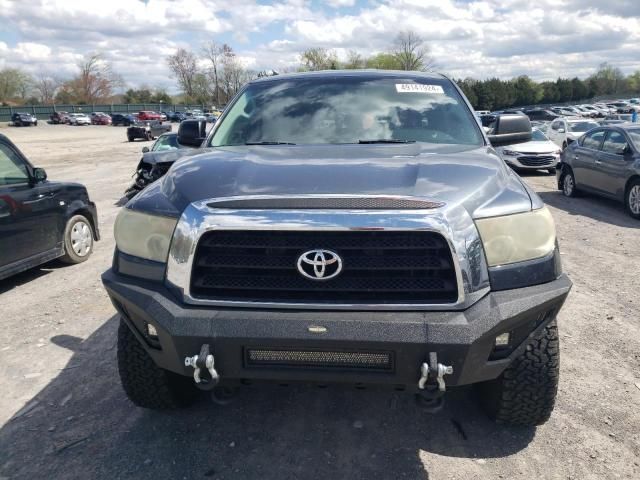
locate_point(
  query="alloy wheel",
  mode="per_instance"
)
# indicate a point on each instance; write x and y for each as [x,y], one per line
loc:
[567,185]
[634,199]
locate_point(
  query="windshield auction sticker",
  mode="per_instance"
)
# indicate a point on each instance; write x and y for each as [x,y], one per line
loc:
[418,88]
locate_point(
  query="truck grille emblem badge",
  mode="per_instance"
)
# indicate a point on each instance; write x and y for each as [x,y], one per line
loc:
[319,264]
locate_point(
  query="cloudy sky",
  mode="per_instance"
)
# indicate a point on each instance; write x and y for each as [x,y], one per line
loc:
[540,38]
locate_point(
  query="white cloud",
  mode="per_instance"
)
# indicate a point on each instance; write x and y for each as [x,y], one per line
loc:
[481,38]
[340,3]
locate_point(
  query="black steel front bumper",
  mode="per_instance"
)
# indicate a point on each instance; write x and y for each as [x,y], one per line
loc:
[464,339]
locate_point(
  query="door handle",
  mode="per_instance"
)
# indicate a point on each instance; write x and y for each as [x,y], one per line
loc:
[42,196]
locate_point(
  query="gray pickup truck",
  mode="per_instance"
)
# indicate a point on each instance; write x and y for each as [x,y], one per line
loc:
[343,227]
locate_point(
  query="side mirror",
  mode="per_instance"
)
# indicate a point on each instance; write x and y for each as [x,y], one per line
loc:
[510,129]
[39,175]
[145,149]
[192,132]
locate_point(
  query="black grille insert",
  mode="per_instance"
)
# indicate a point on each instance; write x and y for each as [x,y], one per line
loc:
[380,267]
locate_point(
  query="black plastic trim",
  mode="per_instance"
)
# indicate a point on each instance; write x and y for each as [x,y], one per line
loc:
[138,267]
[526,274]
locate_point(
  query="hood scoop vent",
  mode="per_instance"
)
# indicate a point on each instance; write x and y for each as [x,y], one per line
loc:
[324,202]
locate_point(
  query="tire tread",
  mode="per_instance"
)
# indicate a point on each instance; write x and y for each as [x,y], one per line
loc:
[146,384]
[526,391]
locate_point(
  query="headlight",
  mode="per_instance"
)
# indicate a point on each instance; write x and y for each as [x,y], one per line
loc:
[144,236]
[519,237]
[510,152]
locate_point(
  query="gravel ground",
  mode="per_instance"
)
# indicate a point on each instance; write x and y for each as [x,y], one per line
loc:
[64,415]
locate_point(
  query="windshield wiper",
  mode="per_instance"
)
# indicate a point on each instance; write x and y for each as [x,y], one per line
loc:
[386,140]
[269,143]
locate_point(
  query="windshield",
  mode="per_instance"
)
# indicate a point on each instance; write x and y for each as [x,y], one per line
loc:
[353,109]
[582,126]
[166,142]
[538,136]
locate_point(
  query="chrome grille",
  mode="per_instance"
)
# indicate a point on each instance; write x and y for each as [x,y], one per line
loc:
[537,160]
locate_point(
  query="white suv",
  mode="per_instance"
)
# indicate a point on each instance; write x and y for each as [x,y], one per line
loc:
[563,131]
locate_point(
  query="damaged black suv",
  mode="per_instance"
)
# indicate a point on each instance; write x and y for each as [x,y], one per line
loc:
[350,227]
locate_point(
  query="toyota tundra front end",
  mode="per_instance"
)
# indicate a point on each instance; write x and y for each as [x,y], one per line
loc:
[343,227]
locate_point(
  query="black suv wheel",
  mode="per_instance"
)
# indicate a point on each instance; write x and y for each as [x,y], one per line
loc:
[526,391]
[146,384]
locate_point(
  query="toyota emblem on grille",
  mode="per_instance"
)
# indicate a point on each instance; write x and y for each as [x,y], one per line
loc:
[319,264]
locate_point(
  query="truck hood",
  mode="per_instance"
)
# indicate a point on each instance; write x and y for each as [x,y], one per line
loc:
[474,177]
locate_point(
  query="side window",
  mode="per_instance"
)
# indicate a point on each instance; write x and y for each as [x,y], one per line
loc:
[593,140]
[12,168]
[615,143]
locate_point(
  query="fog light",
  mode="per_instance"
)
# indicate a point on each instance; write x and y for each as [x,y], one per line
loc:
[502,340]
[153,333]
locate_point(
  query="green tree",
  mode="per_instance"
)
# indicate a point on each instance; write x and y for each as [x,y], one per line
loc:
[162,97]
[527,92]
[467,87]
[606,80]
[580,89]
[383,61]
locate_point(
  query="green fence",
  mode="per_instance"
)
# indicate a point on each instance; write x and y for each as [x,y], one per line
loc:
[43,112]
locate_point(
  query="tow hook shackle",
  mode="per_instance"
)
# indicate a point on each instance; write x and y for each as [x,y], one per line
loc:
[203,361]
[434,371]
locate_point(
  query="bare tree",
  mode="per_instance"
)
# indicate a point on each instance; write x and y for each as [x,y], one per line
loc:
[13,82]
[354,60]
[184,66]
[215,54]
[319,58]
[411,52]
[46,88]
[96,81]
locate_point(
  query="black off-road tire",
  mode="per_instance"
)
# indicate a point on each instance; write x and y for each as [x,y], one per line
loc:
[130,138]
[146,384]
[526,391]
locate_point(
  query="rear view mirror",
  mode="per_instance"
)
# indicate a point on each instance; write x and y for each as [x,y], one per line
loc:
[510,129]
[192,132]
[145,149]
